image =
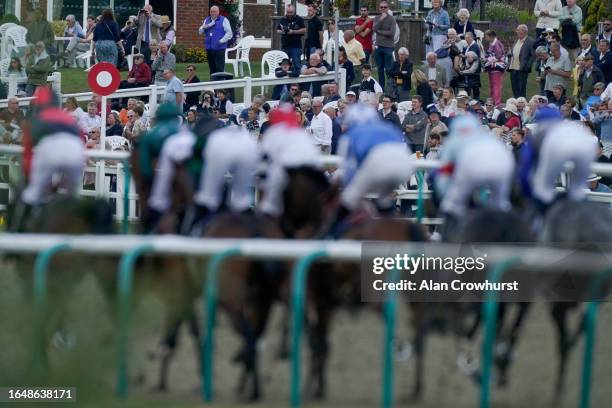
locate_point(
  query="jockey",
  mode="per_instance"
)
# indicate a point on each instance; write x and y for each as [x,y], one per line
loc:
[375,160]
[52,145]
[230,150]
[473,158]
[546,155]
[182,147]
[285,145]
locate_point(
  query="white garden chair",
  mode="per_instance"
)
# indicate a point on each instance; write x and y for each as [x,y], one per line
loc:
[237,109]
[117,142]
[86,56]
[243,50]
[269,62]
[3,28]
[4,67]
[16,40]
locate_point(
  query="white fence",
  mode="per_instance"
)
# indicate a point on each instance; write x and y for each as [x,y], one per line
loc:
[246,84]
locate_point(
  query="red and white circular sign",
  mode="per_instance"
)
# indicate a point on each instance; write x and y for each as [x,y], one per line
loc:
[104,78]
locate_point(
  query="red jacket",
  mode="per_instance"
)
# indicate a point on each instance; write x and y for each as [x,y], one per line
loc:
[141,72]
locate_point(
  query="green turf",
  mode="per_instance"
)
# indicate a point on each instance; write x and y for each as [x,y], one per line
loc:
[75,80]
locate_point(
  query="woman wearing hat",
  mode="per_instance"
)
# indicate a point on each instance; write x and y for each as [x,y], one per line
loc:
[167,31]
[513,120]
[595,186]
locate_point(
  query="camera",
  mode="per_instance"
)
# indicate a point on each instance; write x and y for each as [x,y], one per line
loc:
[142,11]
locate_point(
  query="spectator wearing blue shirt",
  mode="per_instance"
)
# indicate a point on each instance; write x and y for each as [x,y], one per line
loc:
[438,22]
[593,100]
[174,89]
[74,31]
[595,186]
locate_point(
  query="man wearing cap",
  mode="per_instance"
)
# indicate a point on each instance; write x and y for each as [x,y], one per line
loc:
[217,31]
[139,75]
[387,113]
[522,56]
[149,26]
[589,76]
[284,70]
[321,127]
[434,122]
[595,186]
[351,97]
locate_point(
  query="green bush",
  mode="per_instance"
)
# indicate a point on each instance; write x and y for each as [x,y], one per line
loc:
[526,17]
[9,18]
[188,54]
[593,12]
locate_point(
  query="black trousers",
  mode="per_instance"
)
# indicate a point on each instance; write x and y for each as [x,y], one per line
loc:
[216,60]
[518,79]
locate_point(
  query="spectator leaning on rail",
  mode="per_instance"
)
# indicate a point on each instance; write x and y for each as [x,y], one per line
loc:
[521,56]
[548,12]
[163,60]
[38,66]
[438,22]
[571,25]
[363,32]
[149,26]
[315,67]
[384,28]
[217,31]
[284,70]
[291,28]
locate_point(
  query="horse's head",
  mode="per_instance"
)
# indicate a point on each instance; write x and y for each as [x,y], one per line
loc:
[571,223]
[306,198]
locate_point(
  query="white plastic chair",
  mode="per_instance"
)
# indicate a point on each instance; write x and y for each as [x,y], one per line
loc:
[86,56]
[269,62]
[3,28]
[242,55]
[130,58]
[403,108]
[4,67]
[16,40]
[117,142]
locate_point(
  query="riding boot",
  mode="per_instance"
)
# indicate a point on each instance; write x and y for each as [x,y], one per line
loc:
[151,220]
[195,220]
[340,222]
[20,216]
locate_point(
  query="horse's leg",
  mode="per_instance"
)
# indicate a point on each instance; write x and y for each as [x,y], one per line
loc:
[505,358]
[559,314]
[283,348]
[419,324]
[319,347]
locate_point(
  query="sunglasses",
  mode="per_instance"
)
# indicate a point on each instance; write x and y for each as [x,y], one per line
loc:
[189,69]
[383,7]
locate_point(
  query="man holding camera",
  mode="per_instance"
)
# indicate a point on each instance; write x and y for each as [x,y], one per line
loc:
[149,25]
[557,71]
[292,28]
[217,31]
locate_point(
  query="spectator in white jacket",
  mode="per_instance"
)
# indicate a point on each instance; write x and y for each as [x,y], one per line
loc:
[547,12]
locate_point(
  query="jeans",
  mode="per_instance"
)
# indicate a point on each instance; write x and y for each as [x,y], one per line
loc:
[384,60]
[295,54]
[216,60]
[518,79]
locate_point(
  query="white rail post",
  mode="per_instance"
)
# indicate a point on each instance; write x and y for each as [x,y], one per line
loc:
[12,85]
[342,84]
[101,170]
[119,208]
[247,95]
[153,100]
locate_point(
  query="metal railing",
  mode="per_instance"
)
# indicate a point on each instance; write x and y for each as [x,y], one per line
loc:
[130,248]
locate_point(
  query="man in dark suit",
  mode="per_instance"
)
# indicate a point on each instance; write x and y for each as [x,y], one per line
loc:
[471,44]
[521,57]
[589,76]
[603,60]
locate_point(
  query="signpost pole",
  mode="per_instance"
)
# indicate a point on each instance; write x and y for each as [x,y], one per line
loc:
[102,168]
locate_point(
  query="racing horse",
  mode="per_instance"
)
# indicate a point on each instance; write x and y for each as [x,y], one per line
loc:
[573,225]
[249,288]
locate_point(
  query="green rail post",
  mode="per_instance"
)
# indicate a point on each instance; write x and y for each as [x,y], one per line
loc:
[210,293]
[124,286]
[489,311]
[41,266]
[590,327]
[126,196]
[298,291]
[420,197]
[390,309]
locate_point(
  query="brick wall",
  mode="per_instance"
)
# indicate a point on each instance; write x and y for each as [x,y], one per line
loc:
[189,14]
[256,19]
